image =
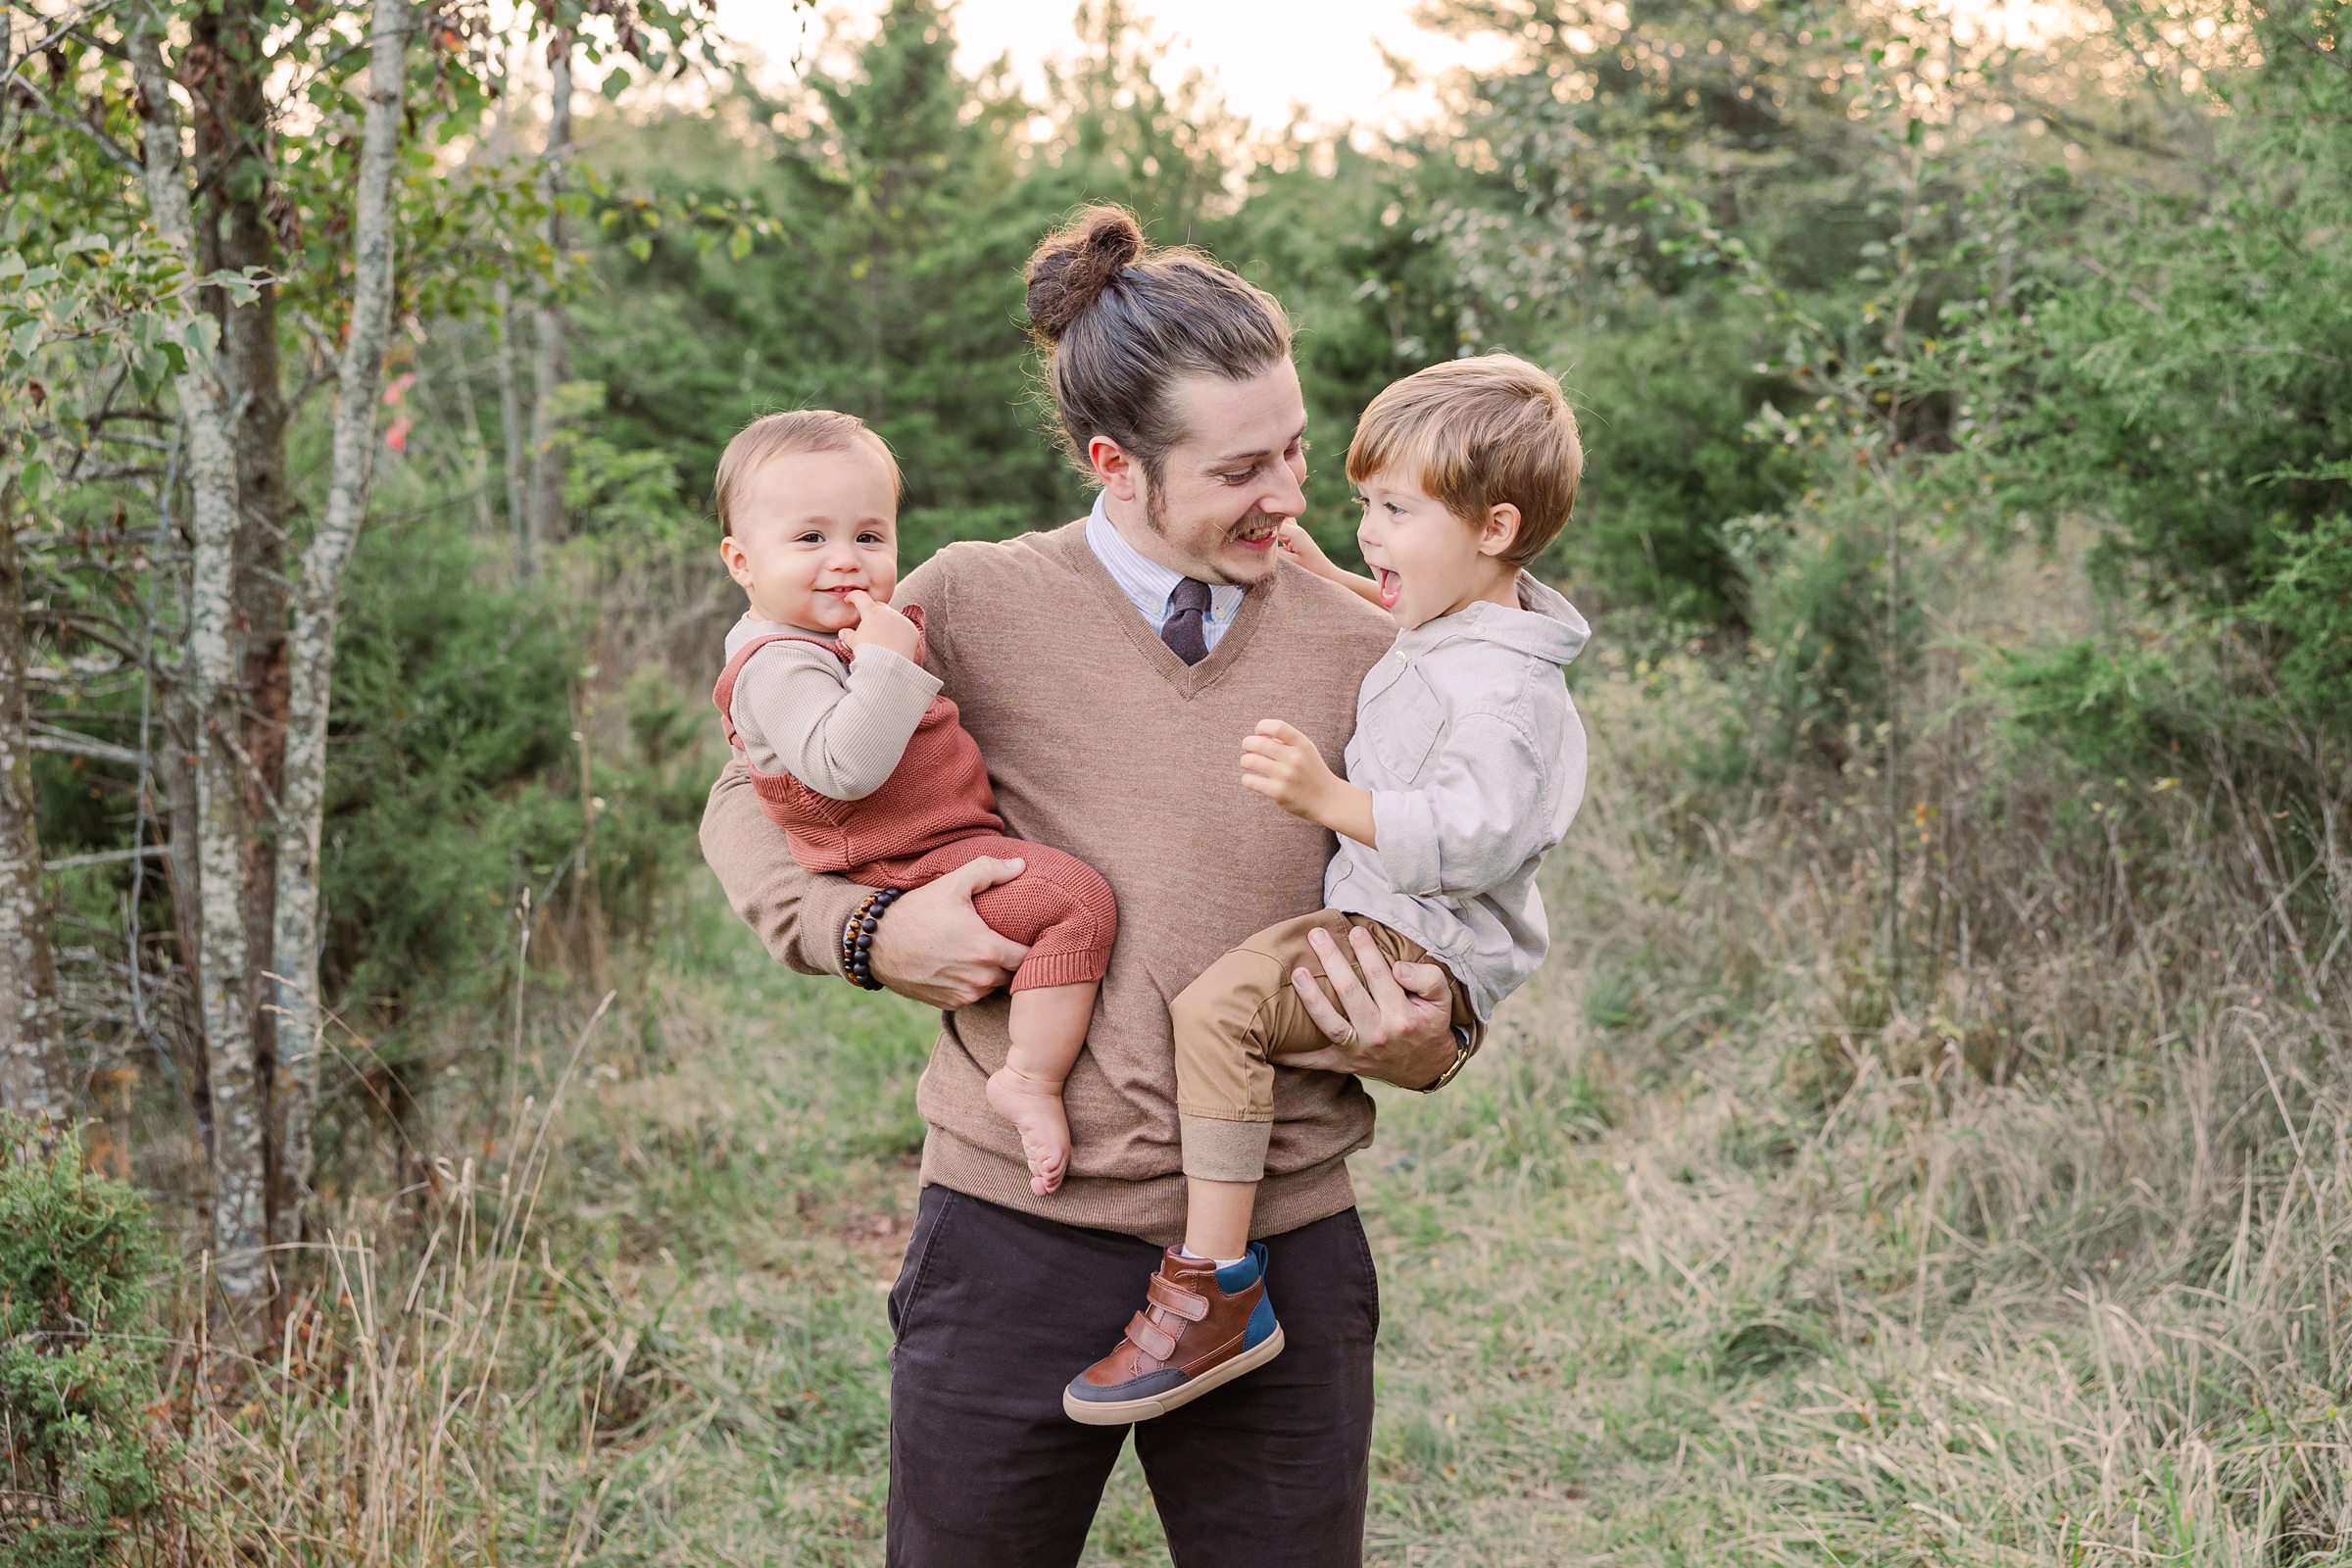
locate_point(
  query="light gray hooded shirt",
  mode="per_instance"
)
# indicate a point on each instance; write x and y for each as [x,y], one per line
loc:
[1475,757]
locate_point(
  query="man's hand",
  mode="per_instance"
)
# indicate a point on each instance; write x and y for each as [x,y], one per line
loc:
[1393,1022]
[934,947]
[1283,766]
[880,626]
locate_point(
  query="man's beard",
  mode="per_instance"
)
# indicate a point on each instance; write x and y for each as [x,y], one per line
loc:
[1155,517]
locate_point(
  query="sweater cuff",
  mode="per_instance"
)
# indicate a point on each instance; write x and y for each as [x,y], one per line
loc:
[898,687]
[1405,825]
[825,907]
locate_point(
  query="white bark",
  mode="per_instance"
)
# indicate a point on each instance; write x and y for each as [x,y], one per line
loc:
[548,357]
[374,229]
[33,1081]
[240,1223]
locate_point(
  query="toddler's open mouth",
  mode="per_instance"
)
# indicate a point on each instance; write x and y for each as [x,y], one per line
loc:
[1392,587]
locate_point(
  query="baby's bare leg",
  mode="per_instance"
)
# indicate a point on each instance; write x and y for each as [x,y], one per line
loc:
[1049,1030]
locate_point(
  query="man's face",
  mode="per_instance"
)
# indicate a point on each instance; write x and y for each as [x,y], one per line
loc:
[1236,475]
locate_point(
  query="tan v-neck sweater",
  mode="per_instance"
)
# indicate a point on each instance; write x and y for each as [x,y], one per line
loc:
[1100,740]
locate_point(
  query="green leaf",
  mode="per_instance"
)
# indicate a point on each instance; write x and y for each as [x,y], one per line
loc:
[242,287]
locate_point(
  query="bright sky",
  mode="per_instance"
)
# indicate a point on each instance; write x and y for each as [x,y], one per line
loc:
[1264,55]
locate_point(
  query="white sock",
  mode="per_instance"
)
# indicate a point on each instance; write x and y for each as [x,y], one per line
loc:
[1190,1256]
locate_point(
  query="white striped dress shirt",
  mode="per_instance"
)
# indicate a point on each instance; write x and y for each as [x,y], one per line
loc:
[1152,587]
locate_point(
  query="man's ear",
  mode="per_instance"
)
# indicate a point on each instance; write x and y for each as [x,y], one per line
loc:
[1119,475]
[1500,529]
[738,564]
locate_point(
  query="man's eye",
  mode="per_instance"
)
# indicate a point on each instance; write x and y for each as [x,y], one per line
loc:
[1241,477]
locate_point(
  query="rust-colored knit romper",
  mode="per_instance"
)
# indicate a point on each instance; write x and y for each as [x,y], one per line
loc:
[935,812]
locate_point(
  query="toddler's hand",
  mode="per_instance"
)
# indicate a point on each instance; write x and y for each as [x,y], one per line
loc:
[880,626]
[1283,766]
[1293,537]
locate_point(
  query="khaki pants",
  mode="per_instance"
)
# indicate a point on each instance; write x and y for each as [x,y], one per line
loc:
[1240,1014]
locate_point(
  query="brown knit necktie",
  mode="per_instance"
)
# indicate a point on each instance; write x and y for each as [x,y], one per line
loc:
[1182,632]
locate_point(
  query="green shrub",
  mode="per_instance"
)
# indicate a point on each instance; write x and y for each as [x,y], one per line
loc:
[453,782]
[78,1362]
[2110,710]
[449,784]
[1664,401]
[1816,589]
[2307,605]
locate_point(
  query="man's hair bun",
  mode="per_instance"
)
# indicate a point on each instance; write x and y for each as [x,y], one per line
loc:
[1069,272]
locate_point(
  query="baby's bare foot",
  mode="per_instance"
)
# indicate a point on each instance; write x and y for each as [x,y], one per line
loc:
[1045,1130]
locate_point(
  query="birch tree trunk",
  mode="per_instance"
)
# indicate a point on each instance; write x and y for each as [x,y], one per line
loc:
[240,1187]
[547,356]
[33,1081]
[295,949]
[225,71]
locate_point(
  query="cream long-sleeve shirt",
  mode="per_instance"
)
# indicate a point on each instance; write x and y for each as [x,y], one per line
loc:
[839,729]
[1475,757]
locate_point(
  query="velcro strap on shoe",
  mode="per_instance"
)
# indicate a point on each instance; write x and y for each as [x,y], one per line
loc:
[1150,1339]
[1190,1306]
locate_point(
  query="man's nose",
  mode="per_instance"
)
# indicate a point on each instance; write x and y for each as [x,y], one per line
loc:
[1286,497]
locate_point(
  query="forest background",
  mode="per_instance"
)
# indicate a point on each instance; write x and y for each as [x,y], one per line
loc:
[1928,1141]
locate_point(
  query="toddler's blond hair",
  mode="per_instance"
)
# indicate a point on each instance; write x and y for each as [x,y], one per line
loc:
[1475,434]
[775,435]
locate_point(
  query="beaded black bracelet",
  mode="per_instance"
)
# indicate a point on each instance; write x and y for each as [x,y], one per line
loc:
[857,938]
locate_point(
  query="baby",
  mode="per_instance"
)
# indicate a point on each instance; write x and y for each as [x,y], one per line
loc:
[1467,765]
[862,762]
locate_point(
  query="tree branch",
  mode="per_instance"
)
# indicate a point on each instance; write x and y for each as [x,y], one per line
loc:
[2329,55]
[64,743]
[37,102]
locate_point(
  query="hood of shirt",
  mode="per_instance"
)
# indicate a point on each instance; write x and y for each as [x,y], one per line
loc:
[1544,626]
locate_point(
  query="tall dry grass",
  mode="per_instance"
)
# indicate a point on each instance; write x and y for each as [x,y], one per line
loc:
[388,1423]
[2036,1255]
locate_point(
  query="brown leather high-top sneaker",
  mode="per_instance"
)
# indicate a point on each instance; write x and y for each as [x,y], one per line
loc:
[1200,1327]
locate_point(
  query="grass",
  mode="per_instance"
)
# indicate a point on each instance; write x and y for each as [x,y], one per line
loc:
[1720,1253]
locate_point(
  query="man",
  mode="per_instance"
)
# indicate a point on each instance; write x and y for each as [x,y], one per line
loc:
[1108,670]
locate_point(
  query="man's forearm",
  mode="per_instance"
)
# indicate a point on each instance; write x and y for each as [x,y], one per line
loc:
[798,913]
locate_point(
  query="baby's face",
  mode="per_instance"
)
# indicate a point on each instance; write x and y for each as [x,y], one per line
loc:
[808,528]
[1429,563]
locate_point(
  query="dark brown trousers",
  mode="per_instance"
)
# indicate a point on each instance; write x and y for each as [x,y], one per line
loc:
[995,1311]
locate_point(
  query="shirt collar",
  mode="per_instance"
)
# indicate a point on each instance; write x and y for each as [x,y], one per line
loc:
[1148,585]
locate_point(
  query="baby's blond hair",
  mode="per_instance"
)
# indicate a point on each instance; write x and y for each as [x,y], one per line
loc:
[775,435]
[1477,434]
